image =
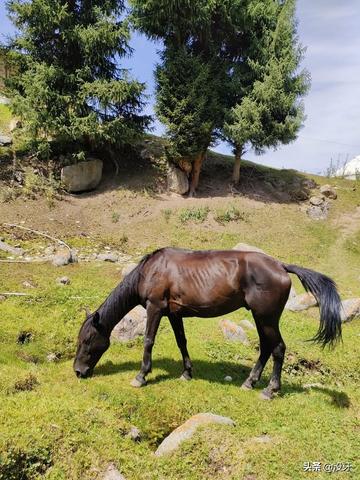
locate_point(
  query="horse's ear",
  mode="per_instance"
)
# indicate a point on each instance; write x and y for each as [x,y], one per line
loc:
[96,320]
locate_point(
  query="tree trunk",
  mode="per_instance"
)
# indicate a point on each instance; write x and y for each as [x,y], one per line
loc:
[195,173]
[237,164]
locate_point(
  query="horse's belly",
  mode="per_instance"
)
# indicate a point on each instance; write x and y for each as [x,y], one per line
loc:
[206,310]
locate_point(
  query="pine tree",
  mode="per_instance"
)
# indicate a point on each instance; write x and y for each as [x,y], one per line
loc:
[191,74]
[69,85]
[265,86]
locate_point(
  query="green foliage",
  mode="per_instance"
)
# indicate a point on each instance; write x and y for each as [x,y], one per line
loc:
[69,86]
[197,215]
[230,214]
[167,212]
[188,102]
[20,464]
[264,107]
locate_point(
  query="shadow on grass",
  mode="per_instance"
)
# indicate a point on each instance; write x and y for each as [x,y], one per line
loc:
[215,372]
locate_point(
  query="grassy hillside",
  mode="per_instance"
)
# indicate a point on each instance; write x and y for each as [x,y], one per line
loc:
[55,426]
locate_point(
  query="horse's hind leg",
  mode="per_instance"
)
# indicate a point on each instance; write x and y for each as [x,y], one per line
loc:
[265,352]
[278,354]
[152,325]
[178,328]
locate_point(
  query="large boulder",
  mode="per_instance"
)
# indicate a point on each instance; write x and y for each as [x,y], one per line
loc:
[82,176]
[131,326]
[301,302]
[350,309]
[177,180]
[244,247]
[187,430]
[328,191]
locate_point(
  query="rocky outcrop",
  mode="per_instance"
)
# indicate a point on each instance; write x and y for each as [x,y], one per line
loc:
[187,430]
[82,176]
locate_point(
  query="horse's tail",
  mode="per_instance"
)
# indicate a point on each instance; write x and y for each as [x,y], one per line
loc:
[324,290]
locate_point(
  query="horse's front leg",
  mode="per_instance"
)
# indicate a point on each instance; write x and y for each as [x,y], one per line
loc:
[152,324]
[178,328]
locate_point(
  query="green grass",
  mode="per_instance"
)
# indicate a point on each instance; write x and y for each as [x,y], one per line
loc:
[5,118]
[73,428]
[57,427]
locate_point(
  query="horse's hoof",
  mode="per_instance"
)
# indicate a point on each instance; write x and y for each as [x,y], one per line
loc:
[265,395]
[246,386]
[138,383]
[185,377]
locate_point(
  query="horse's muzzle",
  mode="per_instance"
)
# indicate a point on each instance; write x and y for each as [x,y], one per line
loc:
[87,372]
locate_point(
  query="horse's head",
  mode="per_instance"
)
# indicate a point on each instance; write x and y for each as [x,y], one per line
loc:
[93,341]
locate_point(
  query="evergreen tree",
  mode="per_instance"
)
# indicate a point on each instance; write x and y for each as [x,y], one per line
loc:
[191,75]
[265,85]
[69,85]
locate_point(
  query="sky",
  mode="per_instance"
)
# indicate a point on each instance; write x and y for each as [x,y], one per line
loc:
[329,29]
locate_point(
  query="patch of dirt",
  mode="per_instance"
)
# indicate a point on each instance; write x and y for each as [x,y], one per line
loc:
[349,222]
[303,366]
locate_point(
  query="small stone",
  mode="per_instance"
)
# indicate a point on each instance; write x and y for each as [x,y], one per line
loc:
[187,430]
[112,473]
[108,257]
[28,284]
[350,309]
[53,357]
[233,332]
[2,298]
[134,434]
[61,257]
[5,140]
[131,326]
[63,281]
[228,378]
[301,302]
[317,200]
[263,439]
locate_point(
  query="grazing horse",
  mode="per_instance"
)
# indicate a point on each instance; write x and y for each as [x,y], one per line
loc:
[183,283]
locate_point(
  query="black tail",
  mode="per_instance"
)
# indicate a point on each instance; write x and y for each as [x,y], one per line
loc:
[324,290]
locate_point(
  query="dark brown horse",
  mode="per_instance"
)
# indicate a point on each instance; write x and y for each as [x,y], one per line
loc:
[184,283]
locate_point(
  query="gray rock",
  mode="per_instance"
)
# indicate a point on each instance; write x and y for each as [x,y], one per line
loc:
[246,324]
[134,434]
[301,302]
[292,295]
[63,281]
[187,430]
[49,250]
[13,250]
[28,284]
[4,100]
[82,176]
[108,257]
[228,378]
[5,140]
[131,326]
[2,298]
[244,247]
[61,257]
[318,212]
[350,309]
[233,332]
[177,180]
[328,191]
[128,268]
[112,473]
[316,200]
[309,183]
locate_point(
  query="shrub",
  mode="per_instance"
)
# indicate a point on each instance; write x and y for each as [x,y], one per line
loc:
[197,215]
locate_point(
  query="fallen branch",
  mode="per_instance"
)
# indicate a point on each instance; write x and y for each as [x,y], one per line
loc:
[24,261]
[15,294]
[42,234]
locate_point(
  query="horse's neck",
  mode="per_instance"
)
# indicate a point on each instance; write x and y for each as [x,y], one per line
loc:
[121,300]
